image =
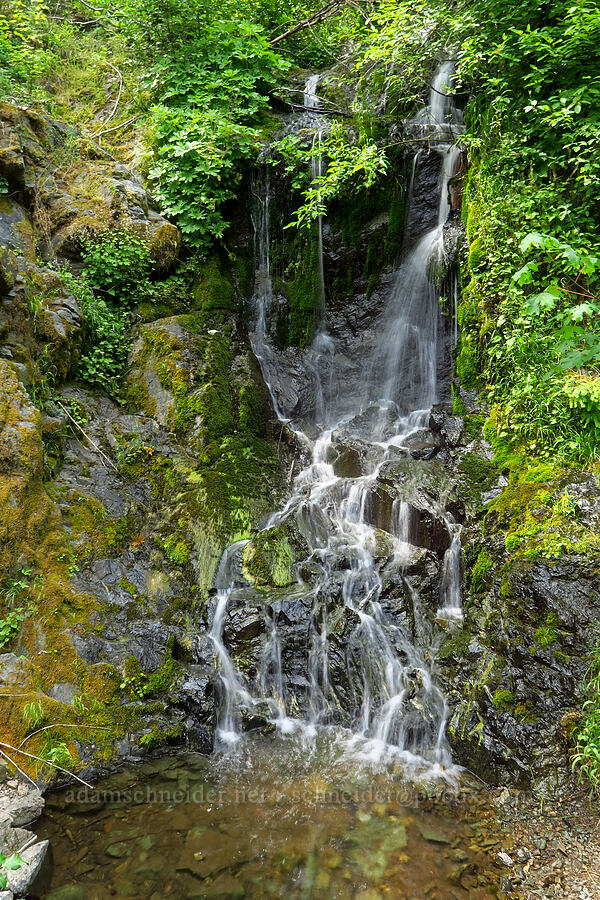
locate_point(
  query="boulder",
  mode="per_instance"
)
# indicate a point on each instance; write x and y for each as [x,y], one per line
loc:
[22,809]
[33,878]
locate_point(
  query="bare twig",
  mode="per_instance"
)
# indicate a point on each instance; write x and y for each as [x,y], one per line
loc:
[18,768]
[28,842]
[115,127]
[59,725]
[116,103]
[46,762]
[319,16]
[314,109]
[87,437]
[28,694]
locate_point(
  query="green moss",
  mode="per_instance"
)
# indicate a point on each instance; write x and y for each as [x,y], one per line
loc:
[503,700]
[268,559]
[525,712]
[458,405]
[220,500]
[535,522]
[456,645]
[468,363]
[393,238]
[479,576]
[213,403]
[547,633]
[303,289]
[93,531]
[468,353]
[178,549]
[158,736]
[374,256]
[212,289]
[477,254]
[471,217]
[250,409]
[480,472]
[139,684]
[129,587]
[474,425]
[209,406]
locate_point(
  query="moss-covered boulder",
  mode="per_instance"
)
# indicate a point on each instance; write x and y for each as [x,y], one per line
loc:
[76,186]
[268,559]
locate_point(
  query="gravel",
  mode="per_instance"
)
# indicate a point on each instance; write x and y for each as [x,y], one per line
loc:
[554,845]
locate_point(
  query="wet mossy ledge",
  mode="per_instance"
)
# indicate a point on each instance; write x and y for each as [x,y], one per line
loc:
[514,672]
[116,509]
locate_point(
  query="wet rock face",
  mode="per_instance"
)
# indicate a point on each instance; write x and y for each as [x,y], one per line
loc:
[511,671]
[514,671]
[526,660]
[119,512]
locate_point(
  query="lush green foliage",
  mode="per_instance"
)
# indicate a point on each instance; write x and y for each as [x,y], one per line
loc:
[117,265]
[351,165]
[205,124]
[530,339]
[23,61]
[115,277]
[586,758]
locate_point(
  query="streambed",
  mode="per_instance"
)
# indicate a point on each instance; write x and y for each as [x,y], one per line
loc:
[278,818]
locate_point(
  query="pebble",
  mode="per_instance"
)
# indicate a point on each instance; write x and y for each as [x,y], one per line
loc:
[556,847]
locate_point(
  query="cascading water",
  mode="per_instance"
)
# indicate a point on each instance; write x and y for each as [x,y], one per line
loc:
[392,707]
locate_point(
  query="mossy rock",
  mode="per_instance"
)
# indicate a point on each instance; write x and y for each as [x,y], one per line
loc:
[212,288]
[164,246]
[504,700]
[481,576]
[268,558]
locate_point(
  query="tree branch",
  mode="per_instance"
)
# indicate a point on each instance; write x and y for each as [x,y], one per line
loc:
[319,16]
[114,109]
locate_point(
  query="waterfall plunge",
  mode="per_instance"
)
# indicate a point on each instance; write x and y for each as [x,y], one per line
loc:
[396,711]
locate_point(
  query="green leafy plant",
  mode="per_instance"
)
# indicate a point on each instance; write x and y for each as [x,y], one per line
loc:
[586,756]
[107,338]
[528,325]
[19,594]
[351,163]
[573,308]
[33,714]
[22,59]
[205,125]
[117,265]
[10,624]
[11,863]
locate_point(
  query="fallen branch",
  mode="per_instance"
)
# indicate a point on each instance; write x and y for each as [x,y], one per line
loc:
[114,109]
[46,762]
[115,127]
[28,694]
[313,109]
[59,725]
[88,438]
[18,768]
[319,16]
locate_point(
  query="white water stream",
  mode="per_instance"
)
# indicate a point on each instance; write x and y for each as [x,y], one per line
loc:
[394,709]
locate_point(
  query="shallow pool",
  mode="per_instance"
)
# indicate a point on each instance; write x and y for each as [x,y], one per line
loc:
[275,818]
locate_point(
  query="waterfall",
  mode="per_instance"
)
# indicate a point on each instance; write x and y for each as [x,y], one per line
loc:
[392,708]
[311,101]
